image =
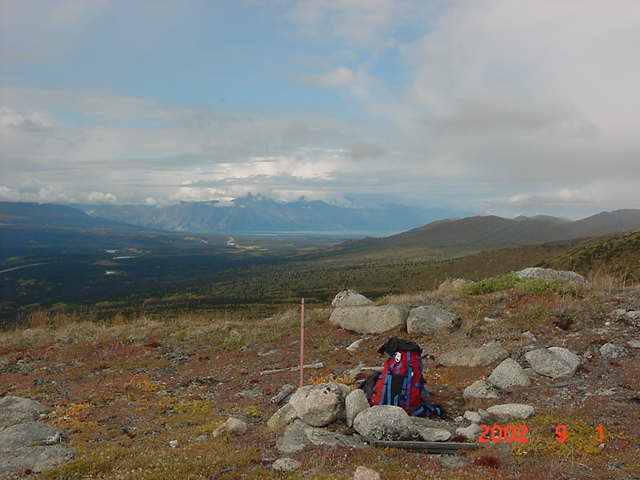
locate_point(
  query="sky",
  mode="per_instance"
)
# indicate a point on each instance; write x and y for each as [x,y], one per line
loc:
[501,107]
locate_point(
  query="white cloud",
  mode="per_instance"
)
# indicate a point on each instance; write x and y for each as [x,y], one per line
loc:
[340,77]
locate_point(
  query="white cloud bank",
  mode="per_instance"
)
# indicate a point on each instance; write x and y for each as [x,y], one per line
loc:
[508,106]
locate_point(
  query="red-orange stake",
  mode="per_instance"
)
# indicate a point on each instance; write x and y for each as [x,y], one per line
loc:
[301,342]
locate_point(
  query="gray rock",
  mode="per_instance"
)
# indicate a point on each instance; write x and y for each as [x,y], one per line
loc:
[473,417]
[364,473]
[355,345]
[286,464]
[474,357]
[249,394]
[354,403]
[472,432]
[233,426]
[322,436]
[454,284]
[453,461]
[284,392]
[529,336]
[429,318]
[508,374]
[634,343]
[36,459]
[370,319]
[29,434]
[319,405]
[510,411]
[480,389]
[551,274]
[350,298]
[567,355]
[294,438]
[174,443]
[14,410]
[421,423]
[550,364]
[385,422]
[434,434]
[613,350]
[283,417]
[201,438]
[632,318]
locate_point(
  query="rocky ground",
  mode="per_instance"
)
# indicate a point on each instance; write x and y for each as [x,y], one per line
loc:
[151,398]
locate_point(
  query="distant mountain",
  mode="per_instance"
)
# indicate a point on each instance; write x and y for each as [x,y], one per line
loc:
[461,235]
[255,214]
[52,215]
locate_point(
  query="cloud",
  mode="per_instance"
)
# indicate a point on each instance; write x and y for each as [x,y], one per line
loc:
[340,77]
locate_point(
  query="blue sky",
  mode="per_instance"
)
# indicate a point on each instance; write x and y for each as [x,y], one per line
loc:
[496,106]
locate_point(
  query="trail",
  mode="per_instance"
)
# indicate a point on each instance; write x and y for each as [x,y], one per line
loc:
[21,267]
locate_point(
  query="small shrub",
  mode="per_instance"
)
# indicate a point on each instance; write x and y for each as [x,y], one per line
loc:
[491,284]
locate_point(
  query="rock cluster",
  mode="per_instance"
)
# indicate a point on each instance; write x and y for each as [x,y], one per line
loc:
[355,312]
[551,274]
[25,444]
[331,414]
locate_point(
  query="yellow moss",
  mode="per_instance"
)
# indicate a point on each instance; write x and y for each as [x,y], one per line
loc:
[250,410]
[582,439]
[331,379]
[195,406]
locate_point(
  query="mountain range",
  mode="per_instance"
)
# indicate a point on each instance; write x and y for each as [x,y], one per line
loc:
[257,214]
[463,235]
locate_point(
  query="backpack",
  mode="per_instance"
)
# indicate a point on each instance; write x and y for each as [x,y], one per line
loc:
[401,382]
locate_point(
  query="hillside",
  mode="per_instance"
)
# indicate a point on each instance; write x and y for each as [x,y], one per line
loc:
[52,215]
[618,255]
[464,235]
[140,397]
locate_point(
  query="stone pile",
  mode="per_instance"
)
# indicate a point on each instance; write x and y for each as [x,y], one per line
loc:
[332,414]
[355,312]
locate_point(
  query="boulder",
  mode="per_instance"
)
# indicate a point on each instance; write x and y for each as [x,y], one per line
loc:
[319,405]
[370,319]
[233,426]
[632,317]
[510,411]
[474,357]
[429,318]
[354,403]
[283,417]
[567,355]
[421,423]
[36,459]
[551,274]
[613,350]
[472,432]
[294,438]
[434,434]
[385,422]
[14,410]
[473,417]
[508,374]
[350,298]
[322,436]
[29,434]
[286,464]
[480,389]
[364,473]
[551,363]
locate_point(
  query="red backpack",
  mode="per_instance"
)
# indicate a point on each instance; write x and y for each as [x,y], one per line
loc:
[401,382]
